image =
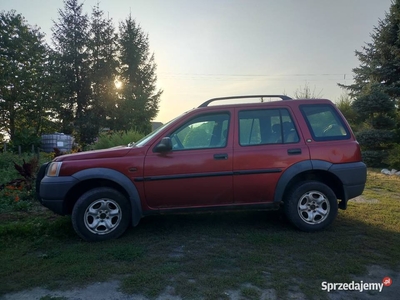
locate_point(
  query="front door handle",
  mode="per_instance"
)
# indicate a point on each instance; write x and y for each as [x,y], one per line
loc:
[221,156]
[294,151]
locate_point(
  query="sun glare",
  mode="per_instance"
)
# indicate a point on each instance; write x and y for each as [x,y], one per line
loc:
[118,84]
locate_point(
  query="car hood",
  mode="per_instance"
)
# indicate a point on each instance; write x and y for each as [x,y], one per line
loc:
[96,154]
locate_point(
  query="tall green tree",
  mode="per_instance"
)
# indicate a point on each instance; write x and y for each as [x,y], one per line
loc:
[103,60]
[376,87]
[23,74]
[139,95]
[70,38]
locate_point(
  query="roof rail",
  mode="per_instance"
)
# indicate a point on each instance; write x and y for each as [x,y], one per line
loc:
[283,97]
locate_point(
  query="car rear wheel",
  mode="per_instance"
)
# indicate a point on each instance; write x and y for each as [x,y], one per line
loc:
[311,205]
[101,214]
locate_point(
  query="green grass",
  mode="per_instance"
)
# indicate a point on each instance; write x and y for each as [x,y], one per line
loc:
[206,255]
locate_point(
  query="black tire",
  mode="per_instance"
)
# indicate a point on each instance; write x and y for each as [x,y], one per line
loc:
[311,206]
[101,214]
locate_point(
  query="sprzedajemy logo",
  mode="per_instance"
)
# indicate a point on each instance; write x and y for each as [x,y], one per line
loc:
[356,286]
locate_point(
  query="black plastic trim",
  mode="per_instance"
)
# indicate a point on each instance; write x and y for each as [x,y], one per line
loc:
[53,190]
[262,171]
[183,176]
[213,208]
[202,175]
[120,179]
[41,173]
[352,175]
[289,173]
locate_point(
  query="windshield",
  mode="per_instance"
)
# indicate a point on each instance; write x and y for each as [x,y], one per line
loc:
[148,137]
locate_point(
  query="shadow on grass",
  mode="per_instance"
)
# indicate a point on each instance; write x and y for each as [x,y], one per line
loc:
[200,255]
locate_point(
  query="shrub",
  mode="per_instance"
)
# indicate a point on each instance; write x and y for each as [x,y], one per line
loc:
[374,158]
[108,140]
[16,181]
[15,199]
[7,160]
[25,138]
[393,158]
[374,139]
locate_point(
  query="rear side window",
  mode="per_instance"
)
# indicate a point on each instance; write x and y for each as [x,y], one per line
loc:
[267,126]
[324,123]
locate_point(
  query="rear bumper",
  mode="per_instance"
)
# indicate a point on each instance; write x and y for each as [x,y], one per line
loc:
[353,176]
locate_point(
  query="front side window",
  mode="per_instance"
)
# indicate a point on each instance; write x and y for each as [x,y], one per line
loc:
[267,126]
[207,131]
[324,122]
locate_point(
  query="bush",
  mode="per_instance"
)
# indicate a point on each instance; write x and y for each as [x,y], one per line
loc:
[393,158]
[108,140]
[15,199]
[374,139]
[16,192]
[25,138]
[374,158]
[7,159]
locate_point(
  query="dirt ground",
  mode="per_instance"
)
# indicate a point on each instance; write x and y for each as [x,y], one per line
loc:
[110,291]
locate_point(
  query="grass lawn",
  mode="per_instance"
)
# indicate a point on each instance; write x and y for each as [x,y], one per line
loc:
[206,255]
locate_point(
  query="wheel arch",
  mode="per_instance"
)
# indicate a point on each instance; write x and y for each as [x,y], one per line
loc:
[310,170]
[104,177]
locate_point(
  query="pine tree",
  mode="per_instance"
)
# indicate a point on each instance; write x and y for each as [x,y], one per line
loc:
[23,74]
[380,59]
[139,96]
[103,69]
[376,87]
[70,37]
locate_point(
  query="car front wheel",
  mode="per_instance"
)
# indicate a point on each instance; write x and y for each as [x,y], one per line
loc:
[101,214]
[311,205]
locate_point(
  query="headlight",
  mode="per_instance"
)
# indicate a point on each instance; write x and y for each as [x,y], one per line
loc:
[54,168]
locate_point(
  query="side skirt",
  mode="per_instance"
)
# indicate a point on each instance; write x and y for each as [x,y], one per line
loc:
[232,207]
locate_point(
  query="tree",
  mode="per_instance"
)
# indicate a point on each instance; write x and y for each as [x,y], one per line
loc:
[306,93]
[345,105]
[103,62]
[23,74]
[376,87]
[139,96]
[70,37]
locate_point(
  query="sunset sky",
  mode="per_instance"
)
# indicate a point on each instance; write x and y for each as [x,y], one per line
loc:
[207,49]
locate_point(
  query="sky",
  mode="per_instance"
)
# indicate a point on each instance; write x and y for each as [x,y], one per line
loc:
[216,48]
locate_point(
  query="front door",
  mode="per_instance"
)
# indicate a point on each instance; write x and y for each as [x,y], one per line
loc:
[198,170]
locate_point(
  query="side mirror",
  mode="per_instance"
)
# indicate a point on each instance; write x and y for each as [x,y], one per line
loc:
[164,145]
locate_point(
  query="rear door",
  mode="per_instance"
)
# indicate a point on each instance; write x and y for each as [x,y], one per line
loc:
[266,144]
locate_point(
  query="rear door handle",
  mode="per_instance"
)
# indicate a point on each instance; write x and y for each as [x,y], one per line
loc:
[294,151]
[221,156]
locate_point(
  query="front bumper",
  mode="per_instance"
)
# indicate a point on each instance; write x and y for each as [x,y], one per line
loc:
[53,191]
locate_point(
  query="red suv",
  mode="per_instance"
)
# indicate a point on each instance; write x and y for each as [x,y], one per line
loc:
[300,154]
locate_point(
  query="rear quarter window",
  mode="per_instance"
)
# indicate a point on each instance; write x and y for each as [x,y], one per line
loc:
[324,122]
